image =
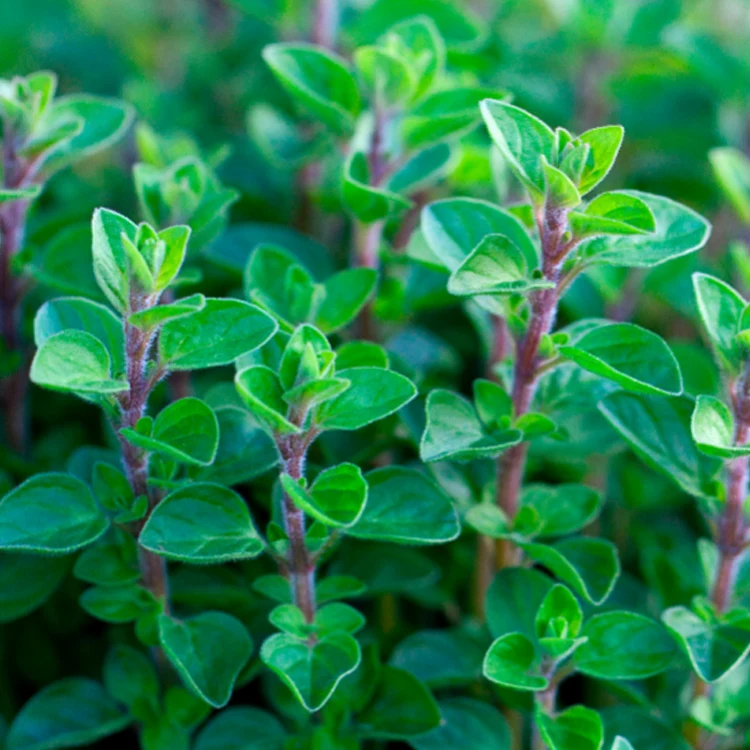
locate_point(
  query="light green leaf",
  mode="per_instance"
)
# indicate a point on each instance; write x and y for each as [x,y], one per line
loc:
[455,226]
[337,497]
[110,231]
[368,202]
[589,566]
[712,427]
[312,671]
[50,514]
[631,356]
[75,361]
[222,331]
[523,140]
[613,213]
[624,646]
[560,192]
[577,728]
[659,432]
[494,266]
[263,394]
[73,712]
[406,507]
[732,170]
[679,231]
[319,81]
[511,662]
[345,294]
[208,651]
[153,317]
[373,394]
[513,600]
[604,145]
[453,430]
[186,431]
[202,523]
[714,647]
[386,74]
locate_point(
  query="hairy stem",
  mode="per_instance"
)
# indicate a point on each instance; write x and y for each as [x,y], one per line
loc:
[512,463]
[301,565]
[325,23]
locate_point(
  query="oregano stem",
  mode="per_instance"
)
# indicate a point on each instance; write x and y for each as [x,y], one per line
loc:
[511,465]
[325,23]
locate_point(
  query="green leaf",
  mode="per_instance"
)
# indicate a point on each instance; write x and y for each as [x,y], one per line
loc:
[406,507]
[110,231]
[732,170]
[332,588]
[466,724]
[659,432]
[130,678]
[373,394]
[577,728]
[260,389]
[153,317]
[523,140]
[337,497]
[513,600]
[112,563]
[621,743]
[624,646]
[589,566]
[604,145]
[401,708]
[312,671]
[69,713]
[319,81]
[202,523]
[453,430]
[455,226]
[386,74]
[368,203]
[679,231]
[563,508]
[494,266]
[27,581]
[560,192]
[241,728]
[79,314]
[344,295]
[20,194]
[629,355]
[118,604]
[721,309]
[511,662]
[50,514]
[186,431]
[208,651]
[222,331]
[105,121]
[422,170]
[714,647]
[613,213]
[331,618]
[75,361]
[712,428]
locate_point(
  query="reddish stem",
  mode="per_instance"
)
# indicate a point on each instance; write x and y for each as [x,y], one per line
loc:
[325,23]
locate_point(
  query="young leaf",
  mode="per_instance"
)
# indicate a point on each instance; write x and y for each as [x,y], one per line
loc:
[109,563]
[624,646]
[153,317]
[494,266]
[345,294]
[523,140]
[714,648]
[613,213]
[577,728]
[406,507]
[222,331]
[260,389]
[632,357]
[368,202]
[75,361]
[712,427]
[208,651]
[373,394]
[50,514]
[732,170]
[559,191]
[337,497]
[455,226]
[110,231]
[312,671]
[513,601]
[202,523]
[72,712]
[604,145]
[563,508]
[319,81]
[186,431]
[453,430]
[659,432]
[119,604]
[511,662]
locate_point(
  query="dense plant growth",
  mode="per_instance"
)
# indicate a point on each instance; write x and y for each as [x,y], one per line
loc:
[364,386]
